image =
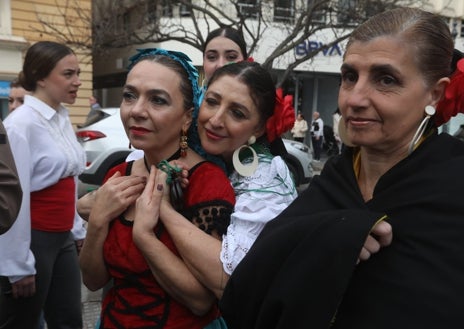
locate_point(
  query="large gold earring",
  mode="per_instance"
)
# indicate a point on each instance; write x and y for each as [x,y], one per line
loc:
[249,168]
[183,144]
[429,111]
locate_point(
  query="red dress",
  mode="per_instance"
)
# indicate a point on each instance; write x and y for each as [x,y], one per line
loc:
[136,300]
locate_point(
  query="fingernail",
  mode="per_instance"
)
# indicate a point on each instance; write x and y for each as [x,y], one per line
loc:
[159,187]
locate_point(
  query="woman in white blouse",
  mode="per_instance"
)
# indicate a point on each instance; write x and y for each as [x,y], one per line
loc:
[39,263]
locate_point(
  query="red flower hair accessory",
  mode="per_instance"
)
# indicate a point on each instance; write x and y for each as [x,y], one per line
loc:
[283,118]
[250,59]
[453,101]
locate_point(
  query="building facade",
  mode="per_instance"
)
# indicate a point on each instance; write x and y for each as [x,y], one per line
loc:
[314,83]
[20,27]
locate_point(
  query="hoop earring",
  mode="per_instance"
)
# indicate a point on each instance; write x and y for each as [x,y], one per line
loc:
[183,144]
[429,111]
[245,169]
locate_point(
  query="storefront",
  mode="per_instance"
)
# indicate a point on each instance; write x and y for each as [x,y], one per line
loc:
[4,91]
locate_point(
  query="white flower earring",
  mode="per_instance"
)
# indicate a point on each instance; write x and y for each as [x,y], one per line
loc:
[249,168]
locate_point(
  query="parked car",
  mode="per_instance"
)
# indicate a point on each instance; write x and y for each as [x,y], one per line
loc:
[106,144]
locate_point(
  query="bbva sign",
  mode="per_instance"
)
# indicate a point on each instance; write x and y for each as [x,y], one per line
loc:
[309,46]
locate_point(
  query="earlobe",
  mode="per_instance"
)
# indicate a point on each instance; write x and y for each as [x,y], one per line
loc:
[188,119]
[260,132]
[438,91]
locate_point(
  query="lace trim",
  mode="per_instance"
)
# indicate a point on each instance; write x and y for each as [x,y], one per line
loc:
[228,261]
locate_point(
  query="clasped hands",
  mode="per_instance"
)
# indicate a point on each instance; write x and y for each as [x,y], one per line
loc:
[155,196]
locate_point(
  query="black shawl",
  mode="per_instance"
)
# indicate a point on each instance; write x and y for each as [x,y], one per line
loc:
[302,273]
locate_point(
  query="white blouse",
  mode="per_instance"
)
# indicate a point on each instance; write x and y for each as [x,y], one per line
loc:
[45,149]
[259,198]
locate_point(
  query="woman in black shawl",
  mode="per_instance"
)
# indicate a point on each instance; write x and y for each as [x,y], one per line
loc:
[302,271]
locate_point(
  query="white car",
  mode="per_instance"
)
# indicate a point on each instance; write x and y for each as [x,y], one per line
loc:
[106,144]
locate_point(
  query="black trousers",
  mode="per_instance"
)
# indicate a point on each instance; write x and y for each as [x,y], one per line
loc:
[58,286]
[317,147]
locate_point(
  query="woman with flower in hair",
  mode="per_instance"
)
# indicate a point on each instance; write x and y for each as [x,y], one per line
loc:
[152,287]
[397,87]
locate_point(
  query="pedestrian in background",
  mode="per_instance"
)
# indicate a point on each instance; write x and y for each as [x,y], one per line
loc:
[299,128]
[16,95]
[39,267]
[336,116]
[317,135]
[94,114]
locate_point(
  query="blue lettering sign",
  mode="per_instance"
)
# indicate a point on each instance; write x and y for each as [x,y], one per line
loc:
[309,46]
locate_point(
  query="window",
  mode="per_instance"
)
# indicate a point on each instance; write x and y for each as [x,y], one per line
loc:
[284,10]
[346,12]
[166,8]
[249,8]
[5,17]
[122,22]
[151,11]
[318,13]
[185,10]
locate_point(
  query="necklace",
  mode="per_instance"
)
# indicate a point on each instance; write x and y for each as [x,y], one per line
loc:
[175,156]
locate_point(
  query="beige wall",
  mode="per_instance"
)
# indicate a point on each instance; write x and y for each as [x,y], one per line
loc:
[25,23]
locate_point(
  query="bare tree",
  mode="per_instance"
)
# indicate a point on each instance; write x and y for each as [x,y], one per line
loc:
[118,24]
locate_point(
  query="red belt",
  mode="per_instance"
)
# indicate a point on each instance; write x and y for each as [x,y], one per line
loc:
[54,207]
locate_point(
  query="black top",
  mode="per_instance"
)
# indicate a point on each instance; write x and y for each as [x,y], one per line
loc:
[302,272]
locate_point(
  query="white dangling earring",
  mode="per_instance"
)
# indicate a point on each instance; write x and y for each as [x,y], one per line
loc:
[429,111]
[245,169]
